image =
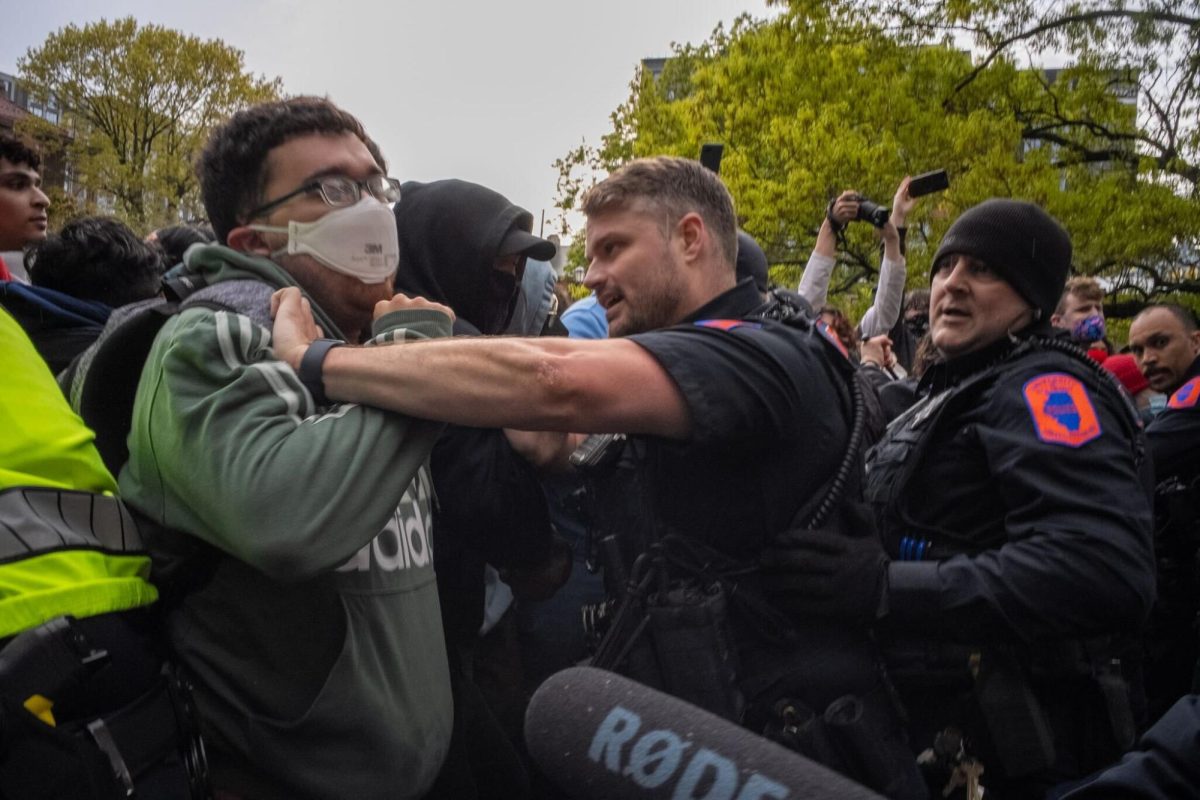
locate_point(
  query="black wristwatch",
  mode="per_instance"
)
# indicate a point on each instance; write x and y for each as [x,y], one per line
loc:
[310,368]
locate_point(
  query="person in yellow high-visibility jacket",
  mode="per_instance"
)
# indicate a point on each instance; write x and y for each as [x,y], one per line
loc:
[69,548]
[75,559]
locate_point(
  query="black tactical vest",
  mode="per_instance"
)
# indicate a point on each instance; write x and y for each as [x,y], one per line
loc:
[903,450]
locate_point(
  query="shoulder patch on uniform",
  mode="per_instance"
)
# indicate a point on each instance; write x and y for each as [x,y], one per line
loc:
[832,337]
[726,324]
[1186,396]
[1062,410]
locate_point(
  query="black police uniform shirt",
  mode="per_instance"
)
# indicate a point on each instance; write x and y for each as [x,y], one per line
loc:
[1174,435]
[770,416]
[1027,516]
[769,423]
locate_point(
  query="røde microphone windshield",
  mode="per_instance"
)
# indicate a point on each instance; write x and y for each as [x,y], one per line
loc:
[599,735]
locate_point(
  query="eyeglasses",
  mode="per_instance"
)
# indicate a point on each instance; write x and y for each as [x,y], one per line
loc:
[339,191]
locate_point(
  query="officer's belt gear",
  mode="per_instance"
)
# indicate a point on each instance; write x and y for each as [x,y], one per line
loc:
[78,553]
[675,635]
[99,756]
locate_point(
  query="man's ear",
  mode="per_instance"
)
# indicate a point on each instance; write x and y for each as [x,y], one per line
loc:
[1056,320]
[247,240]
[1195,337]
[692,235]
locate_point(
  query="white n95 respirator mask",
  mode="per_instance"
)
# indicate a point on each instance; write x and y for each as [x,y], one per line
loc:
[358,240]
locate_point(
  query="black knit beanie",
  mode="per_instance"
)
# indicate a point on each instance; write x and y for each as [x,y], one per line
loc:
[1021,242]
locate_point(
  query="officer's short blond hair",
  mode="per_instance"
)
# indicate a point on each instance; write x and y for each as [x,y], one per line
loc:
[669,187]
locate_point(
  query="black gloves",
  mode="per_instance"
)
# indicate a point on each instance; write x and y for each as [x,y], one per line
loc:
[826,574]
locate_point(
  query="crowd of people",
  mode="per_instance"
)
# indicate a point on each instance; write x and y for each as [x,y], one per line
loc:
[323,493]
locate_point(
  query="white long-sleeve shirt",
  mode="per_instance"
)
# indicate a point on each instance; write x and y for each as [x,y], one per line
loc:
[883,313]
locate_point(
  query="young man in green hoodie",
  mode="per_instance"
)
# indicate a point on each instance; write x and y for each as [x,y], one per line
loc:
[312,631]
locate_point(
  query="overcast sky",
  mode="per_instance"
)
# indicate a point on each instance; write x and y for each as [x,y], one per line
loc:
[490,92]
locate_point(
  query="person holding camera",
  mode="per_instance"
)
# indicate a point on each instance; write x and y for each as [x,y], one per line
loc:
[849,207]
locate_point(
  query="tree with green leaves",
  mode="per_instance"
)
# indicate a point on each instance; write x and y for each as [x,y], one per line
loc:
[1148,52]
[138,103]
[857,94]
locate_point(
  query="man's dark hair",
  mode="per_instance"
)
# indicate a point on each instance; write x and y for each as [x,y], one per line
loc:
[845,331]
[917,300]
[16,150]
[96,258]
[1185,315]
[233,167]
[174,240]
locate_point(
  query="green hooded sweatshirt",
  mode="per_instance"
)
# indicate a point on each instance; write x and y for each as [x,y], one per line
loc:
[316,644]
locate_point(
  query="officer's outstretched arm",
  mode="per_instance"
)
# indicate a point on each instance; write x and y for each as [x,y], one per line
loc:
[546,384]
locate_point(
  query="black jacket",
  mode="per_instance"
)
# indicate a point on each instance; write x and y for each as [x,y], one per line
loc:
[1174,435]
[61,326]
[985,502]
[1171,646]
[1014,505]
[490,502]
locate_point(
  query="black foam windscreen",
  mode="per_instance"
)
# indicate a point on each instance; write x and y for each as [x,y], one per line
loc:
[599,735]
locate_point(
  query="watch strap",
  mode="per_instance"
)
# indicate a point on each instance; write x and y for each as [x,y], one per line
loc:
[311,367]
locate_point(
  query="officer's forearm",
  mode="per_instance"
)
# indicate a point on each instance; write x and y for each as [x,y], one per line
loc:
[531,384]
[491,384]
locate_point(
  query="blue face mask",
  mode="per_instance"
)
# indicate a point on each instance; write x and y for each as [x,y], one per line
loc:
[1089,329]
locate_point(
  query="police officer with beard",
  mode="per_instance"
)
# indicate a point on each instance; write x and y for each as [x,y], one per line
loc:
[1013,504]
[737,424]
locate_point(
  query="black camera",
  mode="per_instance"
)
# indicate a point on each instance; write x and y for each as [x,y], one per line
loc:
[873,213]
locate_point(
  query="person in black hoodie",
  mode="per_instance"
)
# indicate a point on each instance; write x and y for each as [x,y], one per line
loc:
[465,246]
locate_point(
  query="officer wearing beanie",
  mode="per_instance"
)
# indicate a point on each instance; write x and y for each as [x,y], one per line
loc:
[1004,593]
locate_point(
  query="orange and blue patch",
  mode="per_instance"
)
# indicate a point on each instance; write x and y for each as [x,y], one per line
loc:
[726,324]
[1186,396]
[832,337]
[1061,409]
